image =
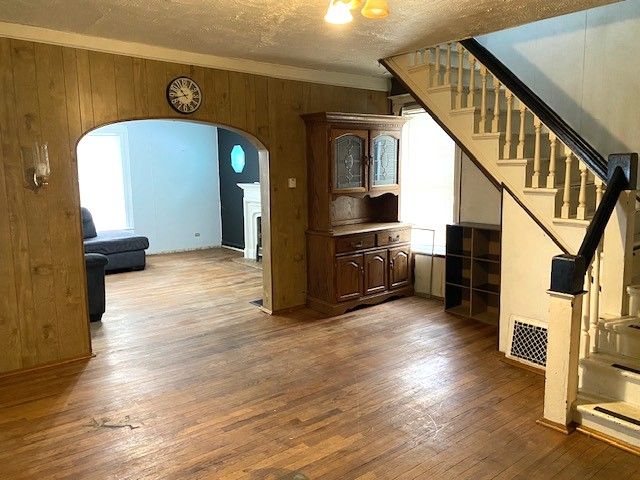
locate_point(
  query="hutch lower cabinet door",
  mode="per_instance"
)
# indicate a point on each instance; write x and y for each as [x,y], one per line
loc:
[399,267]
[348,276]
[375,272]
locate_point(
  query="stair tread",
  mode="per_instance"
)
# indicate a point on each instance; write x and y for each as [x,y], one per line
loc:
[594,405]
[632,365]
[574,222]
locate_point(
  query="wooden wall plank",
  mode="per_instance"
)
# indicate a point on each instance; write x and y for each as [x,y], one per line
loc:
[140,88]
[125,93]
[85,90]
[156,74]
[237,100]
[103,87]
[221,97]
[58,94]
[10,346]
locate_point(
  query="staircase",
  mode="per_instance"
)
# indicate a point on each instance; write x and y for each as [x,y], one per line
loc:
[559,189]
[505,137]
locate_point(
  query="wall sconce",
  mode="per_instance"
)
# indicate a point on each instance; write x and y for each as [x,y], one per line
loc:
[39,169]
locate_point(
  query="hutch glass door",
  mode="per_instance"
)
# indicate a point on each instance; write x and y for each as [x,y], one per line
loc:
[384,164]
[349,152]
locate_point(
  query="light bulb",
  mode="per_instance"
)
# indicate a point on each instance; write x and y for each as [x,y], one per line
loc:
[338,13]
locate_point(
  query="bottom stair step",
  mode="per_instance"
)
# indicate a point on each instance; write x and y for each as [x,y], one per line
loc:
[616,419]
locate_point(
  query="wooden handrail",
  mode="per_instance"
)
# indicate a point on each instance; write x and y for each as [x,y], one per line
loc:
[578,145]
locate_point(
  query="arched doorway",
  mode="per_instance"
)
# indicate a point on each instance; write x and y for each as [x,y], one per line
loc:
[264,209]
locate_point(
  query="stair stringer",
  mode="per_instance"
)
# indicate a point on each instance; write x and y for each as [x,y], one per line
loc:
[484,148]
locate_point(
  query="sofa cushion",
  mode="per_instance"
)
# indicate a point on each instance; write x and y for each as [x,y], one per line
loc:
[116,241]
[88,227]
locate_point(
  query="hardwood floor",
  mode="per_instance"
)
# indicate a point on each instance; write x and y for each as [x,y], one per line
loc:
[190,381]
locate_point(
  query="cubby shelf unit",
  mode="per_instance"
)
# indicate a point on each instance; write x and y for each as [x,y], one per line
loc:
[473,271]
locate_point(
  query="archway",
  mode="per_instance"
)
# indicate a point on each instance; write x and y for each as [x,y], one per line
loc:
[265,208]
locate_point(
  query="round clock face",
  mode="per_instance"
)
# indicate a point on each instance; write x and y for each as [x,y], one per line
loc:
[184,95]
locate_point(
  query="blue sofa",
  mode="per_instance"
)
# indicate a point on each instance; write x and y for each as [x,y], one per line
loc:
[124,249]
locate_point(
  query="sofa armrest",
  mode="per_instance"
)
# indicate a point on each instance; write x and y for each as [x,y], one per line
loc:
[95,260]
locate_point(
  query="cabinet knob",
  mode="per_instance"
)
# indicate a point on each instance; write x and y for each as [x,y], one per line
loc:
[394,239]
[356,245]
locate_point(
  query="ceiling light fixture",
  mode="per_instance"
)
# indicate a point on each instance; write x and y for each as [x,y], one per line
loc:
[376,9]
[339,12]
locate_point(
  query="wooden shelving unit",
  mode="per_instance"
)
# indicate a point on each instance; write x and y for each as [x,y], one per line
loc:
[473,271]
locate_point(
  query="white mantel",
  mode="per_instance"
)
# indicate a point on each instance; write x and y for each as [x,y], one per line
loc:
[252,209]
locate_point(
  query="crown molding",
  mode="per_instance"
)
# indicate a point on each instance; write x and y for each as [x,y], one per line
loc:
[135,49]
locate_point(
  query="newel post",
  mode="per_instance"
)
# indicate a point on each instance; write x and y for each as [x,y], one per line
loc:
[563,343]
[617,261]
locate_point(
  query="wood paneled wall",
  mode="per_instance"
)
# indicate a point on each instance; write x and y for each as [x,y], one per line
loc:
[56,94]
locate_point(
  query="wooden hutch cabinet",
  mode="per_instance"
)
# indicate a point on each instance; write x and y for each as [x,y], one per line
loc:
[357,251]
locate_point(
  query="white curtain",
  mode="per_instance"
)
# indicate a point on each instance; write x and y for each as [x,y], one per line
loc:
[427,176]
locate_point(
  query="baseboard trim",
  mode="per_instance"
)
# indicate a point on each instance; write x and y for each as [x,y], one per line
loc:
[558,427]
[614,442]
[46,366]
[515,363]
[429,297]
[284,311]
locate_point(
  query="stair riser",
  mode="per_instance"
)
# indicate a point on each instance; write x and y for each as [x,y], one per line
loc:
[607,382]
[608,427]
[617,343]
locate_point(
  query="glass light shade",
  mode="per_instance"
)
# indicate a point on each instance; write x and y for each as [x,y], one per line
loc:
[376,9]
[42,167]
[355,4]
[339,13]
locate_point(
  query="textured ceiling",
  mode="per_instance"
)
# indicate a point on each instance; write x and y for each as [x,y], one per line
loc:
[288,32]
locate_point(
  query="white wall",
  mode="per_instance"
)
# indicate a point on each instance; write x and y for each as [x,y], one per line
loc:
[584,65]
[525,267]
[175,186]
[479,199]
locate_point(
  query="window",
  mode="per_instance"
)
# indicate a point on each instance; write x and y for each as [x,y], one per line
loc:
[428,162]
[104,180]
[237,159]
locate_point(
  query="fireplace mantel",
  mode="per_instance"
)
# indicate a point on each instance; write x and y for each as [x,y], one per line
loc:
[252,209]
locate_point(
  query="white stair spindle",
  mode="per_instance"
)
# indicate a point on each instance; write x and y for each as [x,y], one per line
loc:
[495,123]
[521,136]
[459,89]
[581,212]
[437,82]
[411,59]
[447,68]
[471,98]
[551,178]
[634,300]
[595,286]
[535,181]
[506,154]
[585,339]
[429,69]
[483,99]
[566,194]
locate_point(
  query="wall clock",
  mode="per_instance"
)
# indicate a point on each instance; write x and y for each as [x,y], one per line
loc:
[184,95]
